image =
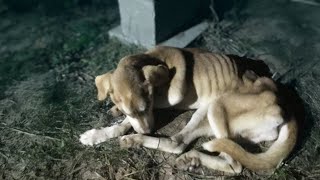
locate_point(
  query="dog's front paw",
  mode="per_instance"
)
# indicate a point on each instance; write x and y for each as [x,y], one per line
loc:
[188,161]
[93,136]
[129,141]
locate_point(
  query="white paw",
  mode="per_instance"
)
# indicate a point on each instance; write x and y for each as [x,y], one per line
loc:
[130,141]
[188,161]
[93,136]
[235,166]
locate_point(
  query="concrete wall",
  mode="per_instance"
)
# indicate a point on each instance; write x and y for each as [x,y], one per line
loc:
[149,22]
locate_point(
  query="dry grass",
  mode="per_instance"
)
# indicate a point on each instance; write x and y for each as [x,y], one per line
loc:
[47,98]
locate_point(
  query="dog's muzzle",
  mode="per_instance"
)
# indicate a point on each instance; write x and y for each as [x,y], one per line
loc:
[143,125]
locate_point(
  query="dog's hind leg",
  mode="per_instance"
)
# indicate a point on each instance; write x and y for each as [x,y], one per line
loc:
[96,136]
[187,134]
[217,118]
[193,159]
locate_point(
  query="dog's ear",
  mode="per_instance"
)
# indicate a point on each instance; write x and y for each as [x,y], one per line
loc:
[103,84]
[156,75]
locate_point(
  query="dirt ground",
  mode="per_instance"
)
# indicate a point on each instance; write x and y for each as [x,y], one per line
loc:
[47,94]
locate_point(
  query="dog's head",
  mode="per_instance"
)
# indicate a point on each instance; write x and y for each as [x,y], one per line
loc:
[131,86]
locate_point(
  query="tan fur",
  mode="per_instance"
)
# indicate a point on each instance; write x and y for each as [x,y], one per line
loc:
[103,85]
[230,99]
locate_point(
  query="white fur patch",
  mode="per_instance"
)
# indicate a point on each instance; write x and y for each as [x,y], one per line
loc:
[142,106]
[174,98]
[93,136]
[96,136]
[137,126]
[207,146]
[284,133]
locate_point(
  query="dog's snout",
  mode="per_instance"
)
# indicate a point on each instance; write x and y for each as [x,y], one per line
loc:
[141,129]
[145,131]
[143,125]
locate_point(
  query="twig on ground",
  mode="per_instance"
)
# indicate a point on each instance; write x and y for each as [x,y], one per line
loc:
[4,156]
[214,13]
[33,135]
[129,174]
[99,175]
[75,170]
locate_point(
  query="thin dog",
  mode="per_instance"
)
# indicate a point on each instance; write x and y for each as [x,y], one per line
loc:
[230,100]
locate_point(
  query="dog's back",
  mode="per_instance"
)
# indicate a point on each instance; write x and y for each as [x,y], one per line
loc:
[198,75]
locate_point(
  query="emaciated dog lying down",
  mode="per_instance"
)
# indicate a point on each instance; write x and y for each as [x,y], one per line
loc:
[231,100]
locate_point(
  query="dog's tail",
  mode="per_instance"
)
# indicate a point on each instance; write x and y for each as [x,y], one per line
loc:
[268,160]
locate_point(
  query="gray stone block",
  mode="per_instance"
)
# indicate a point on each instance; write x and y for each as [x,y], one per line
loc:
[150,22]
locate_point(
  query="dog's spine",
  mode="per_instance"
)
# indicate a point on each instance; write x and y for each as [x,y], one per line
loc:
[268,160]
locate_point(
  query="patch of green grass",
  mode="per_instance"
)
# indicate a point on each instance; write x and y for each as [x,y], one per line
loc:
[19,65]
[84,33]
